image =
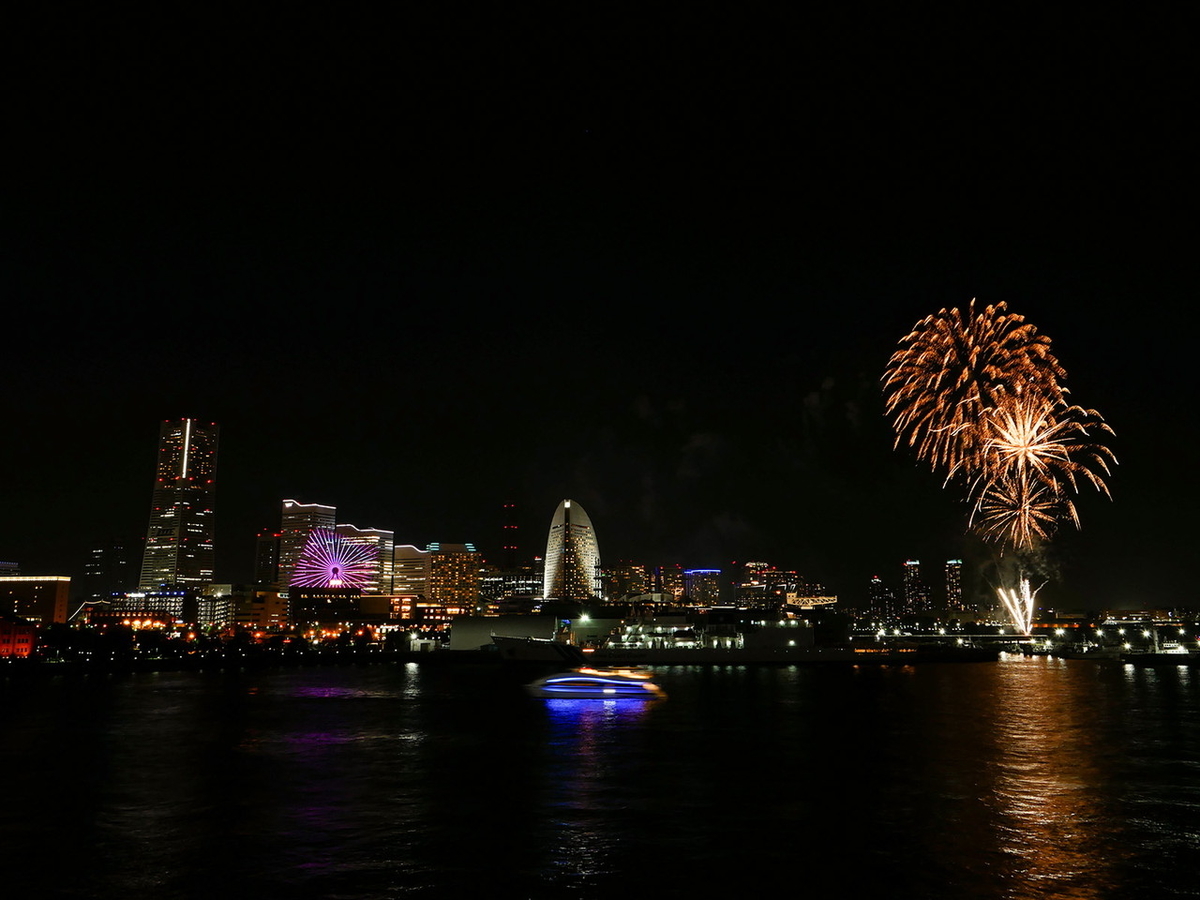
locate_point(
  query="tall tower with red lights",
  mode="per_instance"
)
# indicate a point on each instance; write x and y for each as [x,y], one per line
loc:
[179,541]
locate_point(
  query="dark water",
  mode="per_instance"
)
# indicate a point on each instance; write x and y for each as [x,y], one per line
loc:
[1022,779]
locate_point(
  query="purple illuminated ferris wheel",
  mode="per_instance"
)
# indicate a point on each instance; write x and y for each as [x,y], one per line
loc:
[330,560]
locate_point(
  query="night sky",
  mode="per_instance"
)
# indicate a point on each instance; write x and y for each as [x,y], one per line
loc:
[419,270]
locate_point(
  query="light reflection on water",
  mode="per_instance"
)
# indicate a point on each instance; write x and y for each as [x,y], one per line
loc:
[1022,779]
[1054,771]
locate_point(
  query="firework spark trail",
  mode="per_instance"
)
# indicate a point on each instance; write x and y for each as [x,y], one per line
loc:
[331,560]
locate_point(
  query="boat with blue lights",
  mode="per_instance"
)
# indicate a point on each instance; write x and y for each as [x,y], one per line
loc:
[623,683]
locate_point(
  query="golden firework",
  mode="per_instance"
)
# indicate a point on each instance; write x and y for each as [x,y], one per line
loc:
[953,370]
[1028,441]
[1020,513]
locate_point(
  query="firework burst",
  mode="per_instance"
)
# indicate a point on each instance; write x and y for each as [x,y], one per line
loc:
[330,560]
[1029,457]
[1019,513]
[952,370]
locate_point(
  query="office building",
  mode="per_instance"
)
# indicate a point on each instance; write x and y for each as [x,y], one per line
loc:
[916,592]
[179,541]
[883,600]
[410,571]
[35,598]
[626,579]
[108,570]
[266,560]
[702,587]
[954,592]
[454,577]
[572,556]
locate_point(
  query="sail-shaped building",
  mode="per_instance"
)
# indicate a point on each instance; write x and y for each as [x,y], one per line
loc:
[572,555]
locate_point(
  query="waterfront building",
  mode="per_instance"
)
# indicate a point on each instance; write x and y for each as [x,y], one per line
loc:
[215,606]
[954,592]
[266,559]
[454,577]
[179,540]
[572,556]
[17,637]
[500,586]
[260,608]
[763,586]
[916,592]
[107,570]
[297,520]
[324,606]
[883,600]
[35,598]
[669,582]
[410,570]
[625,580]
[169,605]
[702,587]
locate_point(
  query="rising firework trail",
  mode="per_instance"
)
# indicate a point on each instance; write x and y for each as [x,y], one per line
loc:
[1018,602]
[330,560]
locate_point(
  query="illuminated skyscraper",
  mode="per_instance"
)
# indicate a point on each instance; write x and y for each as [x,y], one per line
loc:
[572,555]
[883,601]
[454,577]
[296,521]
[702,587]
[179,541]
[916,592]
[954,594]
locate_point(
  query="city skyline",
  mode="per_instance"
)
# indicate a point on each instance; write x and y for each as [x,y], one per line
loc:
[671,300]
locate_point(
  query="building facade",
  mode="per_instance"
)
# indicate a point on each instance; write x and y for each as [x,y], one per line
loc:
[35,598]
[410,571]
[108,570]
[916,592]
[954,591]
[179,541]
[572,556]
[454,577]
[702,587]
